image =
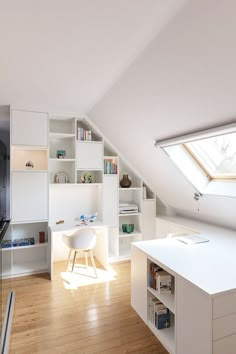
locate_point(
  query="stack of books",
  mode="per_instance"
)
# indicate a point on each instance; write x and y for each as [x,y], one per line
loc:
[83,134]
[28,241]
[159,314]
[6,244]
[23,242]
[160,280]
[110,167]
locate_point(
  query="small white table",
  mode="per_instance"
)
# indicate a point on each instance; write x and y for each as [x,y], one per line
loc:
[59,251]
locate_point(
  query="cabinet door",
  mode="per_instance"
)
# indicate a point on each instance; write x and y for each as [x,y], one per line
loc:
[89,155]
[139,282]
[149,215]
[193,319]
[29,128]
[162,228]
[29,196]
[179,230]
[110,200]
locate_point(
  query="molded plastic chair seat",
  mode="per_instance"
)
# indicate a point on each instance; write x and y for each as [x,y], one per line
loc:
[82,240]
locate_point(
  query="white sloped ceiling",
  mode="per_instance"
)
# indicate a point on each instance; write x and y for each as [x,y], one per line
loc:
[185,80]
[64,54]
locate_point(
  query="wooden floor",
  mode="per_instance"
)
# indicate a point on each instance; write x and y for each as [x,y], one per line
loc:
[55,317]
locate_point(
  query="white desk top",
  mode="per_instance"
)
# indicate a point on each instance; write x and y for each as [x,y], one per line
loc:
[70,226]
[211,266]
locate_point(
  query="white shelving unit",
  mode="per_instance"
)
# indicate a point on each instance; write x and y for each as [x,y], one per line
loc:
[29,194]
[62,139]
[165,335]
[64,149]
[142,294]
[23,260]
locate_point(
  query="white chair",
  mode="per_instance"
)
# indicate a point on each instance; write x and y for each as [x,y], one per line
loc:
[82,240]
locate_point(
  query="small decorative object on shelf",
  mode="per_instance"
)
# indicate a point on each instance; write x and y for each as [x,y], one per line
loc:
[88,177]
[61,154]
[29,164]
[61,177]
[41,237]
[125,182]
[86,219]
[60,222]
[128,228]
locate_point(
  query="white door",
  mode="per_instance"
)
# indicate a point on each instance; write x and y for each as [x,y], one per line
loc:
[29,196]
[89,155]
[29,128]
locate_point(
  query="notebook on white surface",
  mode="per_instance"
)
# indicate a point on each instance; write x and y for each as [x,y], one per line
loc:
[192,239]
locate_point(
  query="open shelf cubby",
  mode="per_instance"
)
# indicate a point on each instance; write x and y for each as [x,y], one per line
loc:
[86,132]
[62,125]
[161,304]
[62,171]
[29,159]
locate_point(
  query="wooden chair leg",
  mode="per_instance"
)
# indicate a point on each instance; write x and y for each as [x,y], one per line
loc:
[74,261]
[93,263]
[68,262]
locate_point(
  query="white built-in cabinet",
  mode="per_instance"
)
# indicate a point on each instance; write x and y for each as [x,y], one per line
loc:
[202,313]
[165,228]
[110,200]
[52,158]
[29,128]
[29,194]
[89,155]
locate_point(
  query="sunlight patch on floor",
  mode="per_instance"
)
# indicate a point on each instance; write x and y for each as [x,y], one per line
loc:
[82,276]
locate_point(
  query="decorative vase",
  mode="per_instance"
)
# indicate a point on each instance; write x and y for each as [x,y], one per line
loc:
[125,182]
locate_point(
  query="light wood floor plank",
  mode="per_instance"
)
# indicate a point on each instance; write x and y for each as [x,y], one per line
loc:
[95,318]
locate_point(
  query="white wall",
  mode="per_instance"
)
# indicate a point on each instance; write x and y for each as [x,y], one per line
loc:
[185,80]
[65,201]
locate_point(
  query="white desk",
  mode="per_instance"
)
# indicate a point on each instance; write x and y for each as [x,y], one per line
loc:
[204,301]
[60,252]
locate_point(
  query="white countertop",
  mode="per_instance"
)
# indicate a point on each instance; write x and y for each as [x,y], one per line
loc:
[70,226]
[211,266]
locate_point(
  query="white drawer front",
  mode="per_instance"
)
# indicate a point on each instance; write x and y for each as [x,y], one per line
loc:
[224,326]
[225,345]
[224,305]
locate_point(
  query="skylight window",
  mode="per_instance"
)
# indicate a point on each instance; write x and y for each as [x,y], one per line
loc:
[207,159]
[216,155]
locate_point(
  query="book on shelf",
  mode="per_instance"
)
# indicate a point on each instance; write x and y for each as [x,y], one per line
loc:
[110,167]
[154,268]
[160,280]
[162,320]
[84,134]
[159,314]
[164,282]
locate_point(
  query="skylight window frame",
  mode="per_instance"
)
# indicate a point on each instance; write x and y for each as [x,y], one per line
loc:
[226,177]
[218,186]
